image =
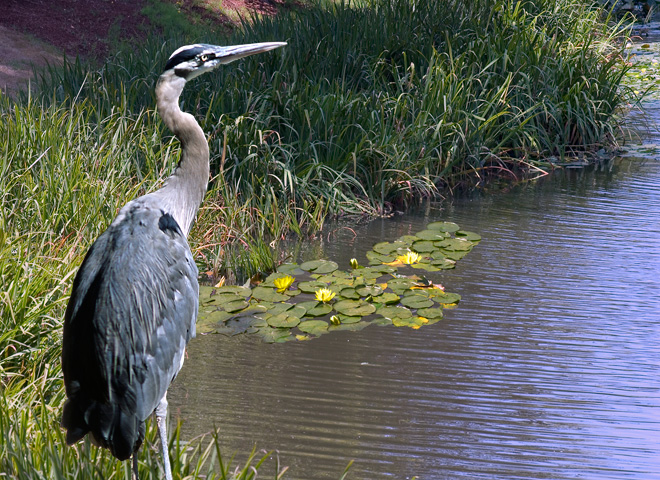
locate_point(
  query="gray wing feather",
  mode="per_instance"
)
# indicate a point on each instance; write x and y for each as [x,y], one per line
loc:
[131,313]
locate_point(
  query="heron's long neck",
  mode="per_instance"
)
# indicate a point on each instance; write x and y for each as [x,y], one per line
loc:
[184,190]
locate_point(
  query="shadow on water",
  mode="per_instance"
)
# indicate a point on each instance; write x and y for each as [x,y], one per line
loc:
[549,367]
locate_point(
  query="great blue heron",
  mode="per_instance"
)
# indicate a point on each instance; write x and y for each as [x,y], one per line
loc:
[135,297]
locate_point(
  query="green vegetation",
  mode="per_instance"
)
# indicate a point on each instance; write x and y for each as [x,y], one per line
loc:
[643,76]
[192,18]
[370,106]
[298,301]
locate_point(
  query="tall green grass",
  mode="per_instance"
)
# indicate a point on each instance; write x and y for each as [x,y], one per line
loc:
[387,102]
[371,106]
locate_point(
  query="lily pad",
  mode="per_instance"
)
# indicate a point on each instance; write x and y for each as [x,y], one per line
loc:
[274,335]
[319,310]
[335,281]
[444,263]
[354,308]
[450,227]
[427,292]
[394,312]
[388,248]
[400,284]
[455,244]
[350,327]
[242,324]
[268,294]
[297,311]
[308,305]
[360,281]
[380,269]
[277,308]
[471,236]
[314,327]
[456,256]
[408,240]
[292,269]
[448,298]
[207,323]
[381,321]
[373,290]
[432,235]
[380,258]
[424,246]
[235,289]
[222,298]
[320,266]
[388,298]
[235,305]
[416,301]
[283,321]
[413,322]
[345,319]
[431,313]
[349,293]
[426,267]
[311,286]
[336,276]
[374,271]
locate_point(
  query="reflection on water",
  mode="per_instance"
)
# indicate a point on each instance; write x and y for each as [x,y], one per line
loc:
[549,368]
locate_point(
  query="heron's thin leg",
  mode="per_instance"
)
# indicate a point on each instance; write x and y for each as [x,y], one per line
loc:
[161,419]
[134,473]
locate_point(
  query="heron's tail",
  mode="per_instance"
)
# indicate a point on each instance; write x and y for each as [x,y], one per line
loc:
[120,432]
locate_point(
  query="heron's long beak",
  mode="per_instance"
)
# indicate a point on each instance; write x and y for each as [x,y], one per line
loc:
[229,54]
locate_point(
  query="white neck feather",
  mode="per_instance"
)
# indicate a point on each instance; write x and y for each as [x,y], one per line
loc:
[184,191]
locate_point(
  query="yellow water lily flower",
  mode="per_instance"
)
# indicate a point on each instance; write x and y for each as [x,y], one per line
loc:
[354,263]
[409,258]
[324,295]
[283,283]
[220,283]
[335,320]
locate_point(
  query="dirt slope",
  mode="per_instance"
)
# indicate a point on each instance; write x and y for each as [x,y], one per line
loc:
[34,32]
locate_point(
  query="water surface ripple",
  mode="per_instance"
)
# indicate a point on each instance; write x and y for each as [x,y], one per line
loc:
[548,369]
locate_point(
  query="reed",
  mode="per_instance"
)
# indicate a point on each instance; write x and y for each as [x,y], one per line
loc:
[386,102]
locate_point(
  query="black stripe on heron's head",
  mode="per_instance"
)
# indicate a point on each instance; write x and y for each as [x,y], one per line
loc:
[185,54]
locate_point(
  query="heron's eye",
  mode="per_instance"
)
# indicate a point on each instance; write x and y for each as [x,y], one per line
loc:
[203,57]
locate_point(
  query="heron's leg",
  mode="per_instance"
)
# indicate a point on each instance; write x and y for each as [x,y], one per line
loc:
[134,473]
[161,418]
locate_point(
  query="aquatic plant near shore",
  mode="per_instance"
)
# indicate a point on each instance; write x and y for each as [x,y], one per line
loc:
[386,292]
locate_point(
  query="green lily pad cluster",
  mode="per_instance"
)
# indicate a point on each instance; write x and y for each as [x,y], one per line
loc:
[321,298]
[436,246]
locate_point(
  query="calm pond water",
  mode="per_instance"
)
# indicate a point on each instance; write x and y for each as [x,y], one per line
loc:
[548,369]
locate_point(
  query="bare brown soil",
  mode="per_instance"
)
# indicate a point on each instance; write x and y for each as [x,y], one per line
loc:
[36,32]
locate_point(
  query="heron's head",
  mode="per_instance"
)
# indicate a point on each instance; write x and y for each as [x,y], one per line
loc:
[191,61]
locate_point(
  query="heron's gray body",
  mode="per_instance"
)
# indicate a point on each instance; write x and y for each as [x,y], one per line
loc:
[132,312]
[135,297]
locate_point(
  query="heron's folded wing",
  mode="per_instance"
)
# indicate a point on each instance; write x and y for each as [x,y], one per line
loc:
[133,307]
